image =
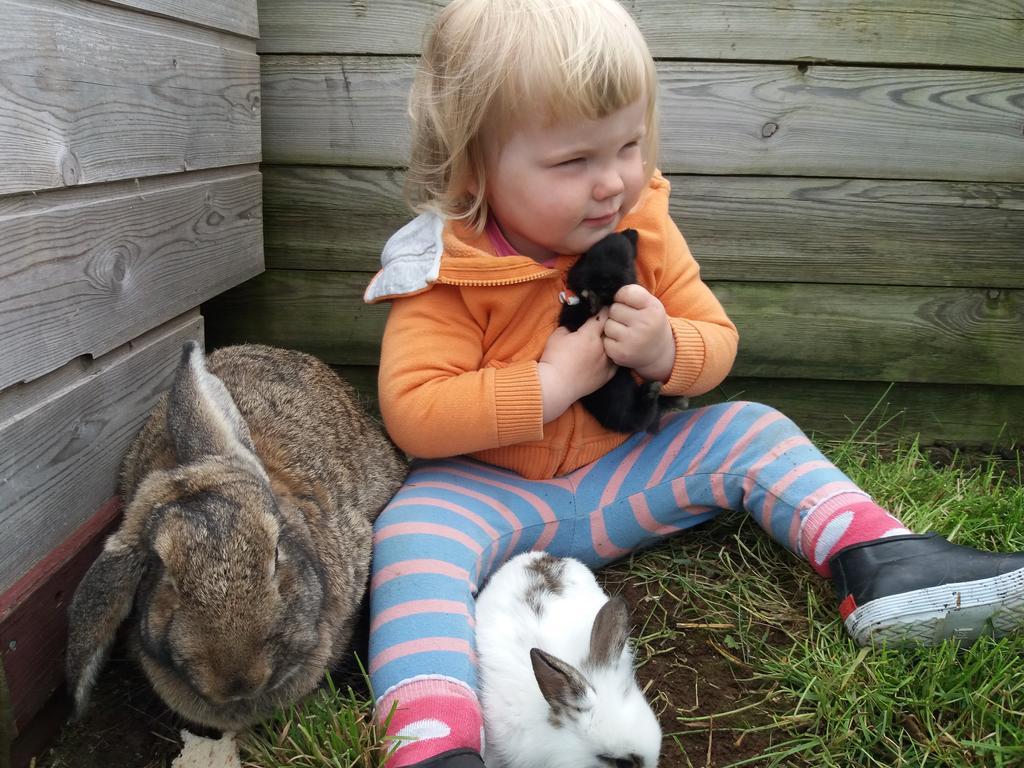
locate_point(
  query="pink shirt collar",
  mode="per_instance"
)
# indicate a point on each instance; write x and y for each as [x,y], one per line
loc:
[503,247]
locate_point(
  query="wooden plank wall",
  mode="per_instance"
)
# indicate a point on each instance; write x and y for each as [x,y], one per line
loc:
[850,177]
[130,193]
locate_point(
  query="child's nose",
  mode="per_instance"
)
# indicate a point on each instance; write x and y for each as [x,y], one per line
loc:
[609,184]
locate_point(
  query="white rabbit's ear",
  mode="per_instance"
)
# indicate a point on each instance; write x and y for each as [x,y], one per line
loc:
[561,685]
[202,418]
[609,634]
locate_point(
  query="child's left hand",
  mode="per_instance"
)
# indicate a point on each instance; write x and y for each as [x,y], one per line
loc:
[637,334]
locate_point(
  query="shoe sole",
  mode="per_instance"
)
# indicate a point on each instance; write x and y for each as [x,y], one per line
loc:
[962,611]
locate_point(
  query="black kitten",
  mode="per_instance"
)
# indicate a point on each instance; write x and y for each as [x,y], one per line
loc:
[621,404]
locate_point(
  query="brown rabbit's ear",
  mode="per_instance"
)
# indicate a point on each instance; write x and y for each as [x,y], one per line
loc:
[562,686]
[102,601]
[202,418]
[609,634]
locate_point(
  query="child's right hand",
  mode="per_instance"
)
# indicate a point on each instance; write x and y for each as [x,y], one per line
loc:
[572,365]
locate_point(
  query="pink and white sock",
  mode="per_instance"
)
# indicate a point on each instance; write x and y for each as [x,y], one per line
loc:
[846,519]
[432,716]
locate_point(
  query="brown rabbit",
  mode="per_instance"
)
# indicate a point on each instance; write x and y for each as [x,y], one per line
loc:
[245,546]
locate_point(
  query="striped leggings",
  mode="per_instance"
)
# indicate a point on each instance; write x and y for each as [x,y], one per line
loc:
[455,521]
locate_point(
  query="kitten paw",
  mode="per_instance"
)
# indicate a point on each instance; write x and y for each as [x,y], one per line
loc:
[651,389]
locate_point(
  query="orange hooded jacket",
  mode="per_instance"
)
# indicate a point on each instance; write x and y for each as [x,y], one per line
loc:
[458,369]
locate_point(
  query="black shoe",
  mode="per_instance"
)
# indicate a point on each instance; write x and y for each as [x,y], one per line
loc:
[454,758]
[922,589]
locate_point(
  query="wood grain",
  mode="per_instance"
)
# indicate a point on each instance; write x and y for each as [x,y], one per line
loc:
[237,16]
[319,312]
[863,231]
[61,458]
[93,93]
[978,415]
[716,118]
[883,333]
[740,228]
[323,217]
[335,110]
[82,271]
[798,330]
[937,32]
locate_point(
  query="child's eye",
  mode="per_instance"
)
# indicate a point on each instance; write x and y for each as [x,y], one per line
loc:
[630,145]
[571,161]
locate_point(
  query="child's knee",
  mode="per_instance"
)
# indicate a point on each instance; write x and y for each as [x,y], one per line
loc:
[763,423]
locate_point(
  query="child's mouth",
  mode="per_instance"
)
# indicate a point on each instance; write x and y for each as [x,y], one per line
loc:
[600,221]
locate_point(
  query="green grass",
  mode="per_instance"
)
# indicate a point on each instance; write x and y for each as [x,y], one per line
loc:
[807,695]
[333,728]
[816,697]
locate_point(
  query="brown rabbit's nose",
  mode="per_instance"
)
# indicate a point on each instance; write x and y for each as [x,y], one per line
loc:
[237,689]
[240,686]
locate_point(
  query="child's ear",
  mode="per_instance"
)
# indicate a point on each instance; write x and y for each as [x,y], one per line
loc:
[631,235]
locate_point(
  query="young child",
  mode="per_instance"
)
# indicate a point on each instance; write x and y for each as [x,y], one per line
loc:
[534,134]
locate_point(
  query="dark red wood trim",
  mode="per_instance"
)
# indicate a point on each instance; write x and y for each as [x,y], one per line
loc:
[40,732]
[33,617]
[6,723]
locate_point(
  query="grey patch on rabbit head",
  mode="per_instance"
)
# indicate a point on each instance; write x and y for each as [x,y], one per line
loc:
[560,714]
[546,572]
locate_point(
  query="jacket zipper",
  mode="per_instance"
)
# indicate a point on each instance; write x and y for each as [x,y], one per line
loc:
[487,283]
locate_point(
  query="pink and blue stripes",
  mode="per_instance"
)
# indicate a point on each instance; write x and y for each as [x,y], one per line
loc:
[455,521]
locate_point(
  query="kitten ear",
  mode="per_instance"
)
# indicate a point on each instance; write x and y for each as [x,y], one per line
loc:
[631,235]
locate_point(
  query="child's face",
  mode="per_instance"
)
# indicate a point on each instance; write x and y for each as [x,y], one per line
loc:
[561,188]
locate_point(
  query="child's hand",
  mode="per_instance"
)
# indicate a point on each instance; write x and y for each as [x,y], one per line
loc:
[638,335]
[572,365]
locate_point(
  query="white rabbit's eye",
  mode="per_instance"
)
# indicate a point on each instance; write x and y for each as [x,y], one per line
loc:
[633,761]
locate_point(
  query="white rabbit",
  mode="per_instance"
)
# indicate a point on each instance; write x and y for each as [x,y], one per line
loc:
[556,671]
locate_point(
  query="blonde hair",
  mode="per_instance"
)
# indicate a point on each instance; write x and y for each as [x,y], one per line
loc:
[486,61]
